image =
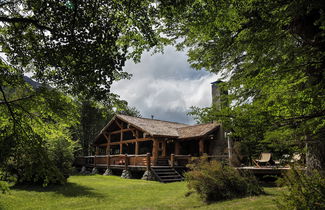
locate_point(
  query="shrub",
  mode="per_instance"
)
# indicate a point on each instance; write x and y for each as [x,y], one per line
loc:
[305,191]
[4,186]
[42,161]
[214,181]
[61,151]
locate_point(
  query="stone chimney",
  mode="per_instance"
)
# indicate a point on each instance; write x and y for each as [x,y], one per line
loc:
[217,94]
[219,145]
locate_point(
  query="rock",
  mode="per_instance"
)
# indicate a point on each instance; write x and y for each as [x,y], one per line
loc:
[94,171]
[126,174]
[83,170]
[108,172]
[148,175]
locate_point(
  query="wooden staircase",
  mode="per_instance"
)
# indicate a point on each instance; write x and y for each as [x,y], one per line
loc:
[166,174]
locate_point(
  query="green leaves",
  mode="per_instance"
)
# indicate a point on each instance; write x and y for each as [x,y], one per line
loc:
[31,119]
[271,54]
[80,47]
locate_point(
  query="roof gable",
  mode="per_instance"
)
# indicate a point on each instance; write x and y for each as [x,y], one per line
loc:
[196,130]
[165,128]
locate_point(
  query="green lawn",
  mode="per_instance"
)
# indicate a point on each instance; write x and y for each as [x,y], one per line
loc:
[111,192]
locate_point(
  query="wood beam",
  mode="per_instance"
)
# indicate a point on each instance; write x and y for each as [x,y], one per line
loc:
[108,149]
[129,141]
[155,151]
[134,133]
[118,124]
[121,145]
[201,146]
[137,134]
[123,130]
[107,136]
[136,147]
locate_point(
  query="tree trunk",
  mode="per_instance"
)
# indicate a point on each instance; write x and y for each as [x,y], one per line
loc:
[315,156]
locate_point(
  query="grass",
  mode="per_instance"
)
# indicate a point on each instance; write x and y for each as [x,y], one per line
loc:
[111,192]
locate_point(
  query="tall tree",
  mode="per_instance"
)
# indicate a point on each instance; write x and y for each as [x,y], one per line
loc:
[35,142]
[74,46]
[271,53]
[78,46]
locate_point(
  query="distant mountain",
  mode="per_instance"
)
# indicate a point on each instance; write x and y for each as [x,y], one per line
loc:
[33,83]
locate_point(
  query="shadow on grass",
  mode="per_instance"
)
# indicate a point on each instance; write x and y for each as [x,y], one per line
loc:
[67,190]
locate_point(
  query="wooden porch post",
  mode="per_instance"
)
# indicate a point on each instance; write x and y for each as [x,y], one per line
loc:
[126,161]
[136,148]
[177,148]
[108,161]
[155,151]
[148,162]
[121,145]
[201,146]
[121,148]
[164,151]
[172,160]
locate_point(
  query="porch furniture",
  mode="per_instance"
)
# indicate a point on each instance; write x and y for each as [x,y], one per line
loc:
[265,159]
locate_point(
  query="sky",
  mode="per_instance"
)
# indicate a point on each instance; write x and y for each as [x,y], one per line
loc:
[165,86]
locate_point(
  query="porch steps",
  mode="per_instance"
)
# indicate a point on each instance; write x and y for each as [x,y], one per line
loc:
[166,174]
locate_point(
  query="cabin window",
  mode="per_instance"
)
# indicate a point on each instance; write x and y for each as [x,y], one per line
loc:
[129,149]
[115,150]
[101,150]
[128,135]
[115,137]
[190,147]
[145,147]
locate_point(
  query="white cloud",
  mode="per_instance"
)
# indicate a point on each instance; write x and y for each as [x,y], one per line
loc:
[165,86]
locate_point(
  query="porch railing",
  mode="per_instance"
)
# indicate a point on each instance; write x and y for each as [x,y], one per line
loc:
[114,160]
[140,160]
[183,160]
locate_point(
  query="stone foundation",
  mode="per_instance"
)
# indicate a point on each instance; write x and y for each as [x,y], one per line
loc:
[126,174]
[84,170]
[108,172]
[148,175]
[94,171]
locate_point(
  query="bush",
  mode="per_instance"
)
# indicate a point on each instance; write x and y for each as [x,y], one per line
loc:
[4,187]
[61,151]
[304,191]
[41,161]
[214,181]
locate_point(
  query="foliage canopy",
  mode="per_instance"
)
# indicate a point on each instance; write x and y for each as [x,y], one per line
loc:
[79,46]
[272,55]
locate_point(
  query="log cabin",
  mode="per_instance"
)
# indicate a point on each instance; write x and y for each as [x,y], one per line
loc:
[160,148]
[134,143]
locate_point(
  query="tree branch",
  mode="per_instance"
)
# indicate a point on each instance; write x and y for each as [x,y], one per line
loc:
[19,99]
[8,106]
[24,20]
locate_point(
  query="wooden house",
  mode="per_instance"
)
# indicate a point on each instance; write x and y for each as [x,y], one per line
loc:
[136,143]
